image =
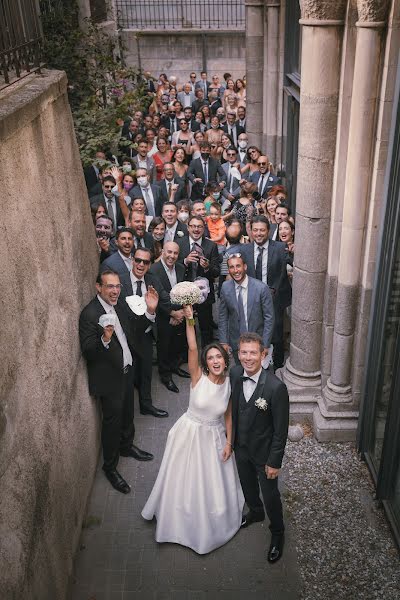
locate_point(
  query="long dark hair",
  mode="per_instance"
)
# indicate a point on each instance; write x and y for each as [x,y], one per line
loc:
[205,351]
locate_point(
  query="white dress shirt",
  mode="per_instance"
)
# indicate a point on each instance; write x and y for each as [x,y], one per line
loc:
[127,260]
[244,285]
[264,260]
[170,233]
[119,332]
[171,273]
[187,100]
[142,164]
[250,385]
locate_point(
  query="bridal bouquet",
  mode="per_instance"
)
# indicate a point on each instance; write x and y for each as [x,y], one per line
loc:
[185,293]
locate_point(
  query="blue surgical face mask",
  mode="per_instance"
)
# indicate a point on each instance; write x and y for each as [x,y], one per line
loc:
[216,195]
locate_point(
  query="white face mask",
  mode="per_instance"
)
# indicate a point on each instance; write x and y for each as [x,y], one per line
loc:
[183,216]
[242,144]
[142,181]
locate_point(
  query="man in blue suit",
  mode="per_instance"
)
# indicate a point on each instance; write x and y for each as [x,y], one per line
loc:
[264,178]
[245,306]
[120,261]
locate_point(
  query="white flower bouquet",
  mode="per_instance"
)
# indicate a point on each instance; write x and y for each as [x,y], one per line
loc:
[186,293]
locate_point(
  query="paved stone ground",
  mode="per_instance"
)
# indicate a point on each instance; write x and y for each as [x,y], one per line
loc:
[120,560]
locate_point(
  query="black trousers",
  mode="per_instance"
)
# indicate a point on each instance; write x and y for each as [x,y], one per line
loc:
[171,348]
[204,313]
[118,428]
[252,477]
[144,371]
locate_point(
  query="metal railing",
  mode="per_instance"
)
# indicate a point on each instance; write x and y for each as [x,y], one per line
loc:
[181,14]
[20,40]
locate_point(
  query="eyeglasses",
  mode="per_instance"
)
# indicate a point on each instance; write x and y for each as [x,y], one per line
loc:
[262,164]
[110,286]
[108,187]
[139,261]
[231,153]
[236,255]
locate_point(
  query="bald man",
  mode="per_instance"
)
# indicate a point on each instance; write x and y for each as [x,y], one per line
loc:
[171,338]
[263,178]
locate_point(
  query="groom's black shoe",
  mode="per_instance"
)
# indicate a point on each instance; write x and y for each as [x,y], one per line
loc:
[276,548]
[135,452]
[181,373]
[117,481]
[250,518]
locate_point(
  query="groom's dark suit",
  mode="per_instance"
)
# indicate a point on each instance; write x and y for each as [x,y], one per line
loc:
[259,439]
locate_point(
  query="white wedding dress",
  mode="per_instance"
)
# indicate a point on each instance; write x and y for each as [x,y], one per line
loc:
[197,499]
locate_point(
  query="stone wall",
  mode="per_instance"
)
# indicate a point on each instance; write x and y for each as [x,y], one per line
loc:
[178,53]
[49,438]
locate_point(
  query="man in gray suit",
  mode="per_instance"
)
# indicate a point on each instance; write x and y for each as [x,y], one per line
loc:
[232,188]
[143,161]
[245,306]
[186,97]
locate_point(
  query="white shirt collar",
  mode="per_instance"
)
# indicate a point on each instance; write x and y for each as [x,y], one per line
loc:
[135,279]
[107,307]
[254,377]
[173,228]
[166,267]
[192,241]
[265,246]
[125,258]
[244,283]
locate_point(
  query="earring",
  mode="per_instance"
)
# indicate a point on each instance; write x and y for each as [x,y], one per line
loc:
[206,370]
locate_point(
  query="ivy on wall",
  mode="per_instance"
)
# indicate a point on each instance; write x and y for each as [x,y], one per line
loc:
[102,92]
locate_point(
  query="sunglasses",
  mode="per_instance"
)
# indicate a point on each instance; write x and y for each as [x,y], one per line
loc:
[139,261]
[263,164]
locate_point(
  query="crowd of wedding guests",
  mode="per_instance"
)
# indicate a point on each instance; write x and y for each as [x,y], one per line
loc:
[186,197]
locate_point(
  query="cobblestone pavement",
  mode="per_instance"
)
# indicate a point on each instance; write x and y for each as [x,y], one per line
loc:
[119,559]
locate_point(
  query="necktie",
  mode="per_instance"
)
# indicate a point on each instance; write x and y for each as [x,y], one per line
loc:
[261,184]
[205,169]
[110,211]
[139,242]
[169,189]
[242,317]
[139,288]
[172,125]
[149,203]
[244,378]
[230,180]
[259,263]
[194,264]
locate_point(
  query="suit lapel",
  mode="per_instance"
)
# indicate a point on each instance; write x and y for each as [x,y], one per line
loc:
[271,250]
[256,394]
[250,302]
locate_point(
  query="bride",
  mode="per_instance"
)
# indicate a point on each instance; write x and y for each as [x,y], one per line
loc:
[197,499]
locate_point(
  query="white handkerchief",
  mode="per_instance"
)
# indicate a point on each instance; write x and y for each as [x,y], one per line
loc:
[235,173]
[107,319]
[137,304]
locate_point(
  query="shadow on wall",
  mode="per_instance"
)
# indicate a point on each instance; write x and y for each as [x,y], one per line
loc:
[49,438]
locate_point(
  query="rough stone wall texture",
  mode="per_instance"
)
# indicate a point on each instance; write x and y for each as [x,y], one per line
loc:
[179,54]
[372,10]
[323,9]
[48,423]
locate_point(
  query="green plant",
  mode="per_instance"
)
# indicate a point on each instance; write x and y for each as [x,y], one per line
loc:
[102,92]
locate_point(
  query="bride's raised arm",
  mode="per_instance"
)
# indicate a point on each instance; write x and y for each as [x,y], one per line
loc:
[193,355]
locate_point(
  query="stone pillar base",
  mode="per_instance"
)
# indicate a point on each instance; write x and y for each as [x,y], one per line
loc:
[337,398]
[304,390]
[334,427]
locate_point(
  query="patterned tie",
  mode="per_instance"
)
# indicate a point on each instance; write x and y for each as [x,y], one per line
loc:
[242,316]
[139,288]
[259,263]
[169,189]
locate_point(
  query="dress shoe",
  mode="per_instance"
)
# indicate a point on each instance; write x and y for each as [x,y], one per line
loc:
[152,410]
[117,481]
[250,518]
[181,373]
[276,548]
[135,452]
[170,385]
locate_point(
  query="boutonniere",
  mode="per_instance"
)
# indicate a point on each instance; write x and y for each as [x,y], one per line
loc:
[261,403]
[180,233]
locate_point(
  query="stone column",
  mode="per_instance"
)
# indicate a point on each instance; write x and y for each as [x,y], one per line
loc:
[320,74]
[272,90]
[254,69]
[337,394]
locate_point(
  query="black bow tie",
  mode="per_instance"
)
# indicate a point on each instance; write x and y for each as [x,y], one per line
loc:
[244,378]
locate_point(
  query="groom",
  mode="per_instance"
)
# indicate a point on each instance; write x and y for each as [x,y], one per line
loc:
[260,420]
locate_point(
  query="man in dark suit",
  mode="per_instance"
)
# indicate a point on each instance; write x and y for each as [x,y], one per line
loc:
[200,258]
[171,338]
[150,193]
[203,84]
[215,102]
[260,421]
[141,238]
[264,178]
[193,124]
[232,127]
[267,261]
[111,201]
[92,172]
[170,121]
[203,170]
[172,188]
[120,261]
[241,114]
[138,282]
[245,305]
[174,229]
[110,355]
[200,101]
[129,132]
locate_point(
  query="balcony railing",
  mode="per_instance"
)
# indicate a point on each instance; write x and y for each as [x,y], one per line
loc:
[181,14]
[20,40]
